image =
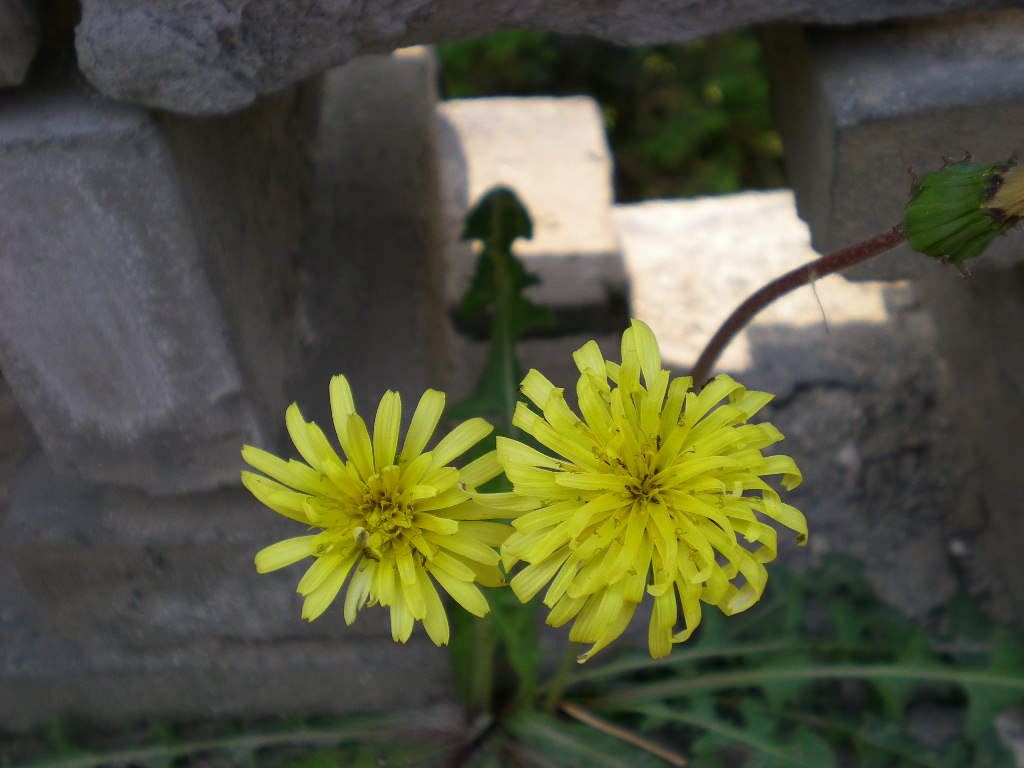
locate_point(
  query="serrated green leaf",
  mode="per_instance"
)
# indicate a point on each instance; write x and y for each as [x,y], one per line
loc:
[498,382]
[498,219]
[496,292]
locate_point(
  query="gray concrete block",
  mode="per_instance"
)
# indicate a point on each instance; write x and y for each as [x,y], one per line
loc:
[209,56]
[855,107]
[144,284]
[370,304]
[552,152]
[690,266]
[19,38]
[114,568]
[46,675]
[979,322]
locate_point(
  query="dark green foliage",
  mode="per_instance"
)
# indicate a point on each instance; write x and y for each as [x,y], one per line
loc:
[681,120]
[819,670]
[546,740]
[352,741]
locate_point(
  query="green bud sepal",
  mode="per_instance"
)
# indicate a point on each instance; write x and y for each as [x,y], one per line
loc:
[954,213]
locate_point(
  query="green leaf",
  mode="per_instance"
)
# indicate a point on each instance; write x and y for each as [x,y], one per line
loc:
[897,690]
[781,691]
[761,734]
[985,702]
[888,739]
[570,745]
[496,293]
[515,625]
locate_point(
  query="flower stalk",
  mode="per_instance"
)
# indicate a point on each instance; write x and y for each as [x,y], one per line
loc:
[797,278]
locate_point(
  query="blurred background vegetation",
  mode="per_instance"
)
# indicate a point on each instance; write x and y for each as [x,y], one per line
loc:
[682,121]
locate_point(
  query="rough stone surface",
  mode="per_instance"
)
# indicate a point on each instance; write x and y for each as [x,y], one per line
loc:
[978,321]
[553,154]
[118,570]
[209,56]
[165,283]
[371,301]
[19,39]
[44,673]
[855,107]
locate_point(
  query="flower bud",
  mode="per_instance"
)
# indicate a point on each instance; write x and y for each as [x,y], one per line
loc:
[955,213]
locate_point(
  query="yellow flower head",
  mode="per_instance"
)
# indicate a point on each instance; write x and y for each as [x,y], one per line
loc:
[387,517]
[655,491]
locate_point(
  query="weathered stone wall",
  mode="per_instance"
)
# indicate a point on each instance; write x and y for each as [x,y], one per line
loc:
[169,282]
[855,108]
[209,56]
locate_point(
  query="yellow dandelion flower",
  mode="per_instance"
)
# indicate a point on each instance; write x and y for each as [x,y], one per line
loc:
[397,521]
[655,491]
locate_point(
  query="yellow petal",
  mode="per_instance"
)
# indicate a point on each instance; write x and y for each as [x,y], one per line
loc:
[785,466]
[292,473]
[383,587]
[491,534]
[318,572]
[357,446]
[546,517]
[424,422]
[484,506]
[459,440]
[480,470]
[401,621]
[646,349]
[279,498]
[537,388]
[441,479]
[386,428]
[464,593]
[429,522]
[512,452]
[284,553]
[435,620]
[443,500]
[572,446]
[319,599]
[359,589]
[342,405]
[463,545]
[529,581]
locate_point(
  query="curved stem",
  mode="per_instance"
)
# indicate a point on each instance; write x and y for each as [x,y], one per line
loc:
[809,272]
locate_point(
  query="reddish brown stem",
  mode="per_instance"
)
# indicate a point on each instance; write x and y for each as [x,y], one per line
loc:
[809,272]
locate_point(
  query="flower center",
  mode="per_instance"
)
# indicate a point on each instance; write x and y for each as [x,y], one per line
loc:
[644,489]
[385,516]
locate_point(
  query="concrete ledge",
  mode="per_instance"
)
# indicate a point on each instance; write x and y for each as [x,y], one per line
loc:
[856,106]
[553,154]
